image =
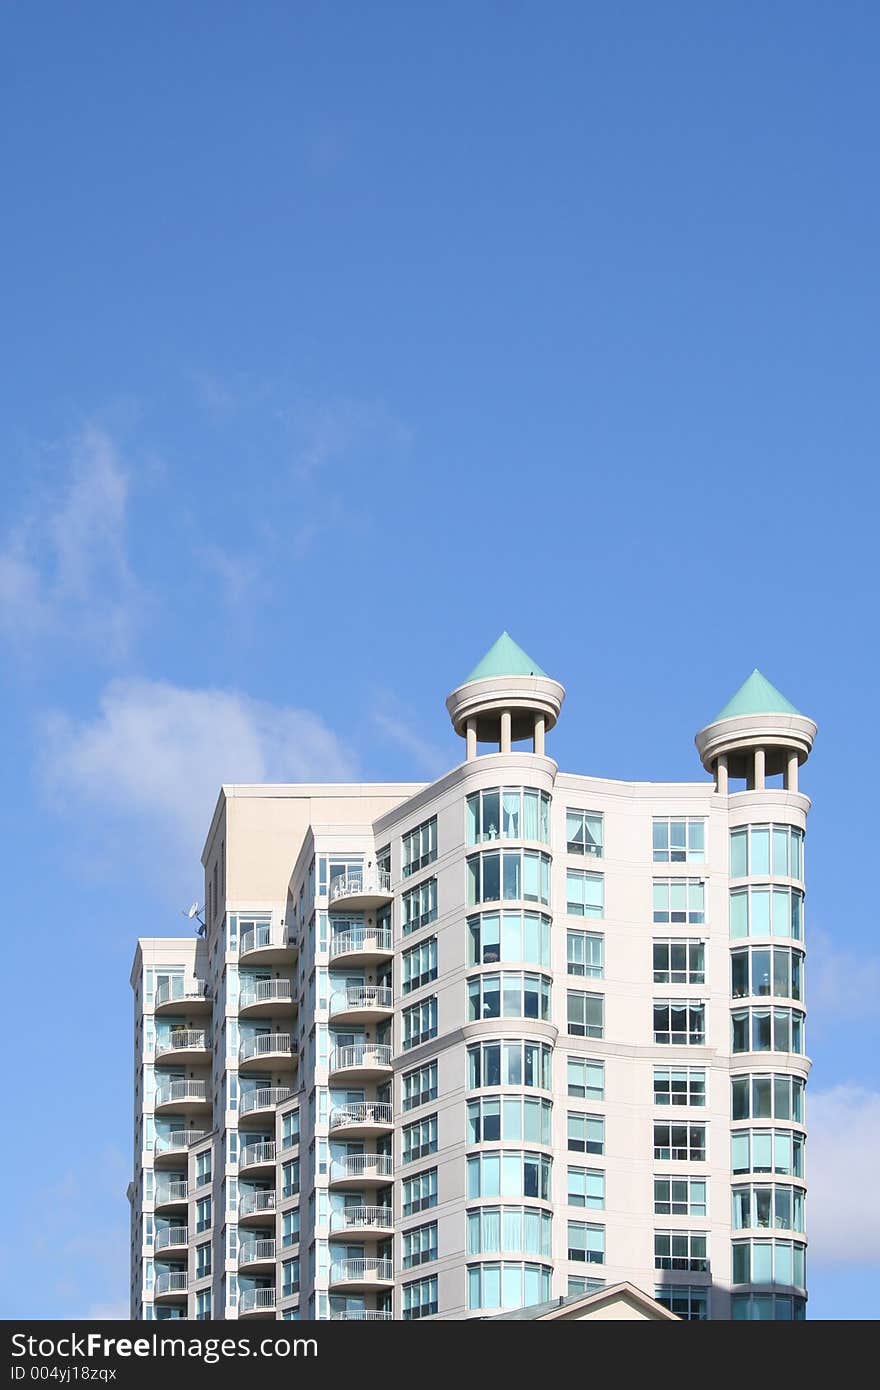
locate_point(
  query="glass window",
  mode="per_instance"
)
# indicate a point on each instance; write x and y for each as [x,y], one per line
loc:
[686,1250]
[420,1245]
[585,1014]
[420,1299]
[419,1022]
[586,1188]
[509,1063]
[767,1030]
[679,840]
[586,1133]
[679,900]
[766,912]
[679,962]
[767,1151]
[512,936]
[769,1262]
[510,874]
[509,1173]
[420,1192]
[420,1138]
[511,995]
[509,1230]
[507,1285]
[586,1243]
[514,1118]
[690,1302]
[510,813]
[584,893]
[680,1196]
[584,833]
[767,1097]
[762,850]
[679,1022]
[585,954]
[419,965]
[419,847]
[586,1079]
[419,906]
[679,1086]
[680,1142]
[420,1086]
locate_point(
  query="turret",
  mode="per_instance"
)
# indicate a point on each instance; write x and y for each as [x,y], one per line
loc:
[759,734]
[505,699]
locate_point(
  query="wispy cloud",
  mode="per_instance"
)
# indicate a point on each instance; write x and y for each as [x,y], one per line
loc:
[842,983]
[843,1211]
[333,431]
[398,724]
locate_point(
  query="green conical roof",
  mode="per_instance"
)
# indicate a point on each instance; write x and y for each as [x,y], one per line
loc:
[504,658]
[756,696]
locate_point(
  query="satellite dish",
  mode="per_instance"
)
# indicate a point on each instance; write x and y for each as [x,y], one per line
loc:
[193,911]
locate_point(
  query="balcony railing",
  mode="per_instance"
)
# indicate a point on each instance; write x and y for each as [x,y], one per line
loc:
[179,1140]
[169,991]
[252,1203]
[171,1235]
[360,1055]
[263,936]
[177,1191]
[361,1270]
[361,997]
[265,1044]
[256,1301]
[362,1112]
[265,992]
[181,1091]
[372,881]
[363,1166]
[251,1250]
[362,1315]
[263,1098]
[174,1281]
[356,1218]
[183,1040]
[360,940]
[263,1152]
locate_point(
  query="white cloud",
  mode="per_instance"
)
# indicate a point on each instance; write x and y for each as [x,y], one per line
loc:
[328,432]
[842,983]
[843,1210]
[64,566]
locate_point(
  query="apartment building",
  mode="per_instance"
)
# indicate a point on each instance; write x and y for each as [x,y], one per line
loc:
[452,1049]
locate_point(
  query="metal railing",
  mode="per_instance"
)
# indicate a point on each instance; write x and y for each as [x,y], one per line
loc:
[263,1098]
[265,992]
[258,938]
[176,1191]
[362,1112]
[169,991]
[252,1250]
[174,1281]
[360,1055]
[361,940]
[182,1040]
[256,1301]
[181,1090]
[264,1044]
[362,1166]
[252,1203]
[352,885]
[361,997]
[263,1152]
[179,1140]
[357,1218]
[362,1270]
[171,1235]
[362,1315]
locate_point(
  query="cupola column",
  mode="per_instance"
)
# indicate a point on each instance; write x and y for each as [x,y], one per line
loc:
[505,730]
[540,727]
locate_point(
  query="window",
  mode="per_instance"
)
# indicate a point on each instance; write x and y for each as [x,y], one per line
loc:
[679,840]
[679,1022]
[768,1307]
[679,900]
[420,965]
[509,1118]
[586,1133]
[509,1231]
[680,1142]
[586,1188]
[768,1151]
[203,1260]
[767,1030]
[203,1214]
[507,1285]
[679,1086]
[513,1063]
[579,1285]
[680,1196]
[767,912]
[290,1129]
[586,1080]
[290,1178]
[584,893]
[690,1302]
[203,1168]
[203,1305]
[680,962]
[770,1207]
[586,954]
[420,1299]
[761,971]
[290,1227]
[420,1245]
[512,937]
[420,1086]
[420,1138]
[511,995]
[769,1262]
[420,1022]
[523,874]
[505,1173]
[761,850]
[290,1277]
[585,1014]
[508,813]
[681,1250]
[420,1192]
[420,906]
[767,1098]
[586,1244]
[419,847]
[584,833]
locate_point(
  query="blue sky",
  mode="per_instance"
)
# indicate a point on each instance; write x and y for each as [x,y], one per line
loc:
[338,338]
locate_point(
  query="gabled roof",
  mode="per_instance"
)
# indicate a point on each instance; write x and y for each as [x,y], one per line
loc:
[756,696]
[567,1307]
[505,658]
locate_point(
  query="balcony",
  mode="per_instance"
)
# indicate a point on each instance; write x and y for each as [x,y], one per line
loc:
[256,1254]
[361,891]
[362,1119]
[171,1240]
[363,1315]
[265,1050]
[173,1193]
[256,1303]
[258,998]
[183,1046]
[361,1004]
[182,1098]
[170,1286]
[365,1223]
[258,1159]
[260,1103]
[361,946]
[360,1062]
[255,1207]
[171,1147]
[266,944]
[361,1170]
[180,995]
[360,1273]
